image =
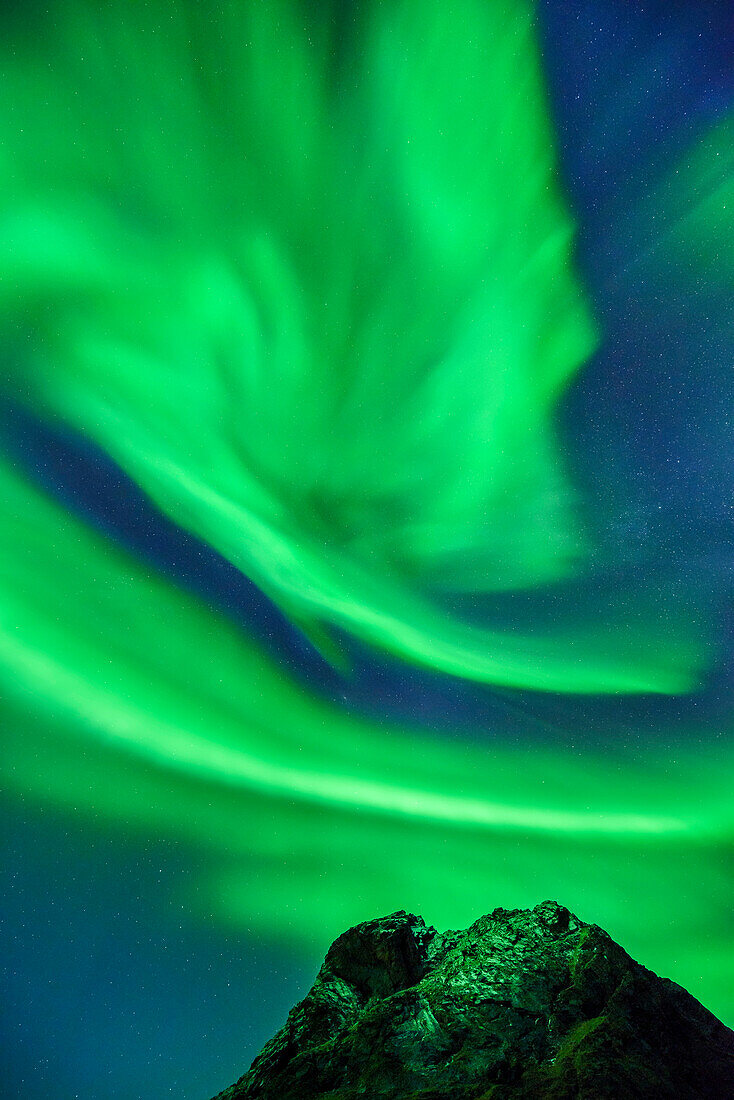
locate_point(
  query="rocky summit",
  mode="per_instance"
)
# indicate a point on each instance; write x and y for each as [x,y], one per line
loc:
[523,1005]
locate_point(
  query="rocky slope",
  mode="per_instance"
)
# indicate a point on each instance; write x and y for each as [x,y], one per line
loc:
[524,1005]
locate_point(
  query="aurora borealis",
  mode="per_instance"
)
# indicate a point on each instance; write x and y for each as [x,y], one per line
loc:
[366,463]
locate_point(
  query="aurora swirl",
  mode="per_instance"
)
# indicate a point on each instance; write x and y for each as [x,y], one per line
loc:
[314,289]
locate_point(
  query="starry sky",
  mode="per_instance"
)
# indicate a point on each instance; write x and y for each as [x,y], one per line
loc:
[366,460]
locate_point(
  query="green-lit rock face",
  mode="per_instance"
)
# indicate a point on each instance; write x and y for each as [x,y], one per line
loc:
[521,1006]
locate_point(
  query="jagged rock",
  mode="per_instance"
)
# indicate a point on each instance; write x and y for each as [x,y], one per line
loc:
[524,1005]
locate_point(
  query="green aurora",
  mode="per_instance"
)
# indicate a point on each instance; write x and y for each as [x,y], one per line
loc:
[336,362]
[197,733]
[316,296]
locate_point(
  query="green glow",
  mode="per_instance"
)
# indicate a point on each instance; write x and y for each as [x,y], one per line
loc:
[699,201]
[320,303]
[196,733]
[322,317]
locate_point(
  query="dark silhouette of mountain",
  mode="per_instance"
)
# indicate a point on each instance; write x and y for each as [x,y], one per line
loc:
[523,1005]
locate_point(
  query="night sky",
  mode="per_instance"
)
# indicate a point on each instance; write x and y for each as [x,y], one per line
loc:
[367,472]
